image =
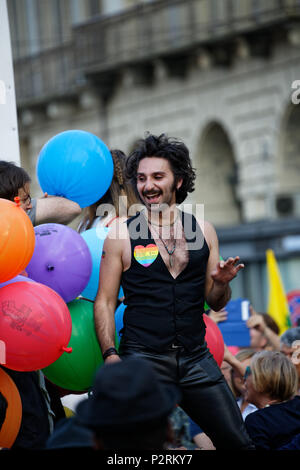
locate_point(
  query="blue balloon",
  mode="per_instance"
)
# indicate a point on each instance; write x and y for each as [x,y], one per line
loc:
[77,165]
[119,313]
[94,239]
[121,293]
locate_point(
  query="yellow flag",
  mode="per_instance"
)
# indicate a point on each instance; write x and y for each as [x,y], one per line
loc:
[278,306]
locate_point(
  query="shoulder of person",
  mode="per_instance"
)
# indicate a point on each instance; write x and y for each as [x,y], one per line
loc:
[255,418]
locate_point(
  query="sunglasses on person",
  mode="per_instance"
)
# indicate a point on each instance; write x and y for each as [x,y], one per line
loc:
[247,372]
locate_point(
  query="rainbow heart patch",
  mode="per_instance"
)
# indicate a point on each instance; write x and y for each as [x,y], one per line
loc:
[145,255]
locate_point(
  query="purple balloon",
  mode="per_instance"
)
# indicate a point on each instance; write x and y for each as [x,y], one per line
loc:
[18,278]
[61,260]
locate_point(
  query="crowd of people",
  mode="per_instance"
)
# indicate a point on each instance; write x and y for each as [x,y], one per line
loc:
[162,388]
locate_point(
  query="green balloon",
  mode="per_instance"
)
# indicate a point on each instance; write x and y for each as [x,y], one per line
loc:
[75,371]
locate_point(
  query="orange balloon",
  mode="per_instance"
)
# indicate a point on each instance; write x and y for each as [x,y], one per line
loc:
[17,240]
[11,426]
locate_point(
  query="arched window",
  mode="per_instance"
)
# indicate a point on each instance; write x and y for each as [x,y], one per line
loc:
[288,168]
[217,177]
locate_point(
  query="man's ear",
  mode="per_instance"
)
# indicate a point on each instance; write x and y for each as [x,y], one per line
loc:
[179,183]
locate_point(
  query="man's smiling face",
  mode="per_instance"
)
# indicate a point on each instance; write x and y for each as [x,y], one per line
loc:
[156,182]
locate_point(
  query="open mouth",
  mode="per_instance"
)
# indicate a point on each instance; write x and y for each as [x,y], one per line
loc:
[152,198]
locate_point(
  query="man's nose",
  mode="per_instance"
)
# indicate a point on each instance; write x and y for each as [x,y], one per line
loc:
[149,185]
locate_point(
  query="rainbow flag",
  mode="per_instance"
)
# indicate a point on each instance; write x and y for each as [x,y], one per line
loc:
[278,307]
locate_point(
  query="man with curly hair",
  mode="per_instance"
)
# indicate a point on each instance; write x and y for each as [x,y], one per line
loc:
[168,264]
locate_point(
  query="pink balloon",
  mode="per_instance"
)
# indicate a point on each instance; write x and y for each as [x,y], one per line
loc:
[35,325]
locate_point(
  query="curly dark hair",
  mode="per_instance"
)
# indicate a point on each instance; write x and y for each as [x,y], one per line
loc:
[12,178]
[174,151]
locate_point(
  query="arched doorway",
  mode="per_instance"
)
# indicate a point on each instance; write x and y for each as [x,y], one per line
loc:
[288,165]
[217,178]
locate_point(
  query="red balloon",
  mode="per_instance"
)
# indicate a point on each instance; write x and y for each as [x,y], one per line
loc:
[214,339]
[35,325]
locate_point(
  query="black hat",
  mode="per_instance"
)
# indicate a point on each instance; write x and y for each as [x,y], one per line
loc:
[68,433]
[126,395]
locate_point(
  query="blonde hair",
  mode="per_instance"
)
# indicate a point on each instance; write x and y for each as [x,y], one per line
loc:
[244,354]
[274,375]
[119,187]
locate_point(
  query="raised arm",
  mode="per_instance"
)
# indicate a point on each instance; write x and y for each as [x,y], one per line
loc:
[109,285]
[56,209]
[257,321]
[219,273]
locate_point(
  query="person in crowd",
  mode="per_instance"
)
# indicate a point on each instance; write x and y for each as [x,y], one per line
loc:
[168,264]
[15,181]
[264,331]
[38,417]
[290,346]
[128,407]
[237,374]
[118,200]
[271,384]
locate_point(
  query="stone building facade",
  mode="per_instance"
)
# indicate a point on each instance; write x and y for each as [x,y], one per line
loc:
[219,74]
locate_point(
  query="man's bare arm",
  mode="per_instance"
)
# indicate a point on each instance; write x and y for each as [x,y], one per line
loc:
[219,273]
[109,285]
[56,209]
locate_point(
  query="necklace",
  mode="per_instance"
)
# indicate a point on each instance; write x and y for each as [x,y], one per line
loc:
[274,403]
[170,252]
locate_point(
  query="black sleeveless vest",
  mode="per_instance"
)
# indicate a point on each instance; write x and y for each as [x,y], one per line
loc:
[162,310]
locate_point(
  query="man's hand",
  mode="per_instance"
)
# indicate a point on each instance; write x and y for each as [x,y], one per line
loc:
[234,362]
[256,321]
[226,270]
[219,316]
[112,358]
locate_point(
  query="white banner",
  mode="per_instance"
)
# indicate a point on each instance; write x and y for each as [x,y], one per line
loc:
[9,137]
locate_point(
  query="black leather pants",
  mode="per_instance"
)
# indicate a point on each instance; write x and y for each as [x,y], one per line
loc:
[206,397]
